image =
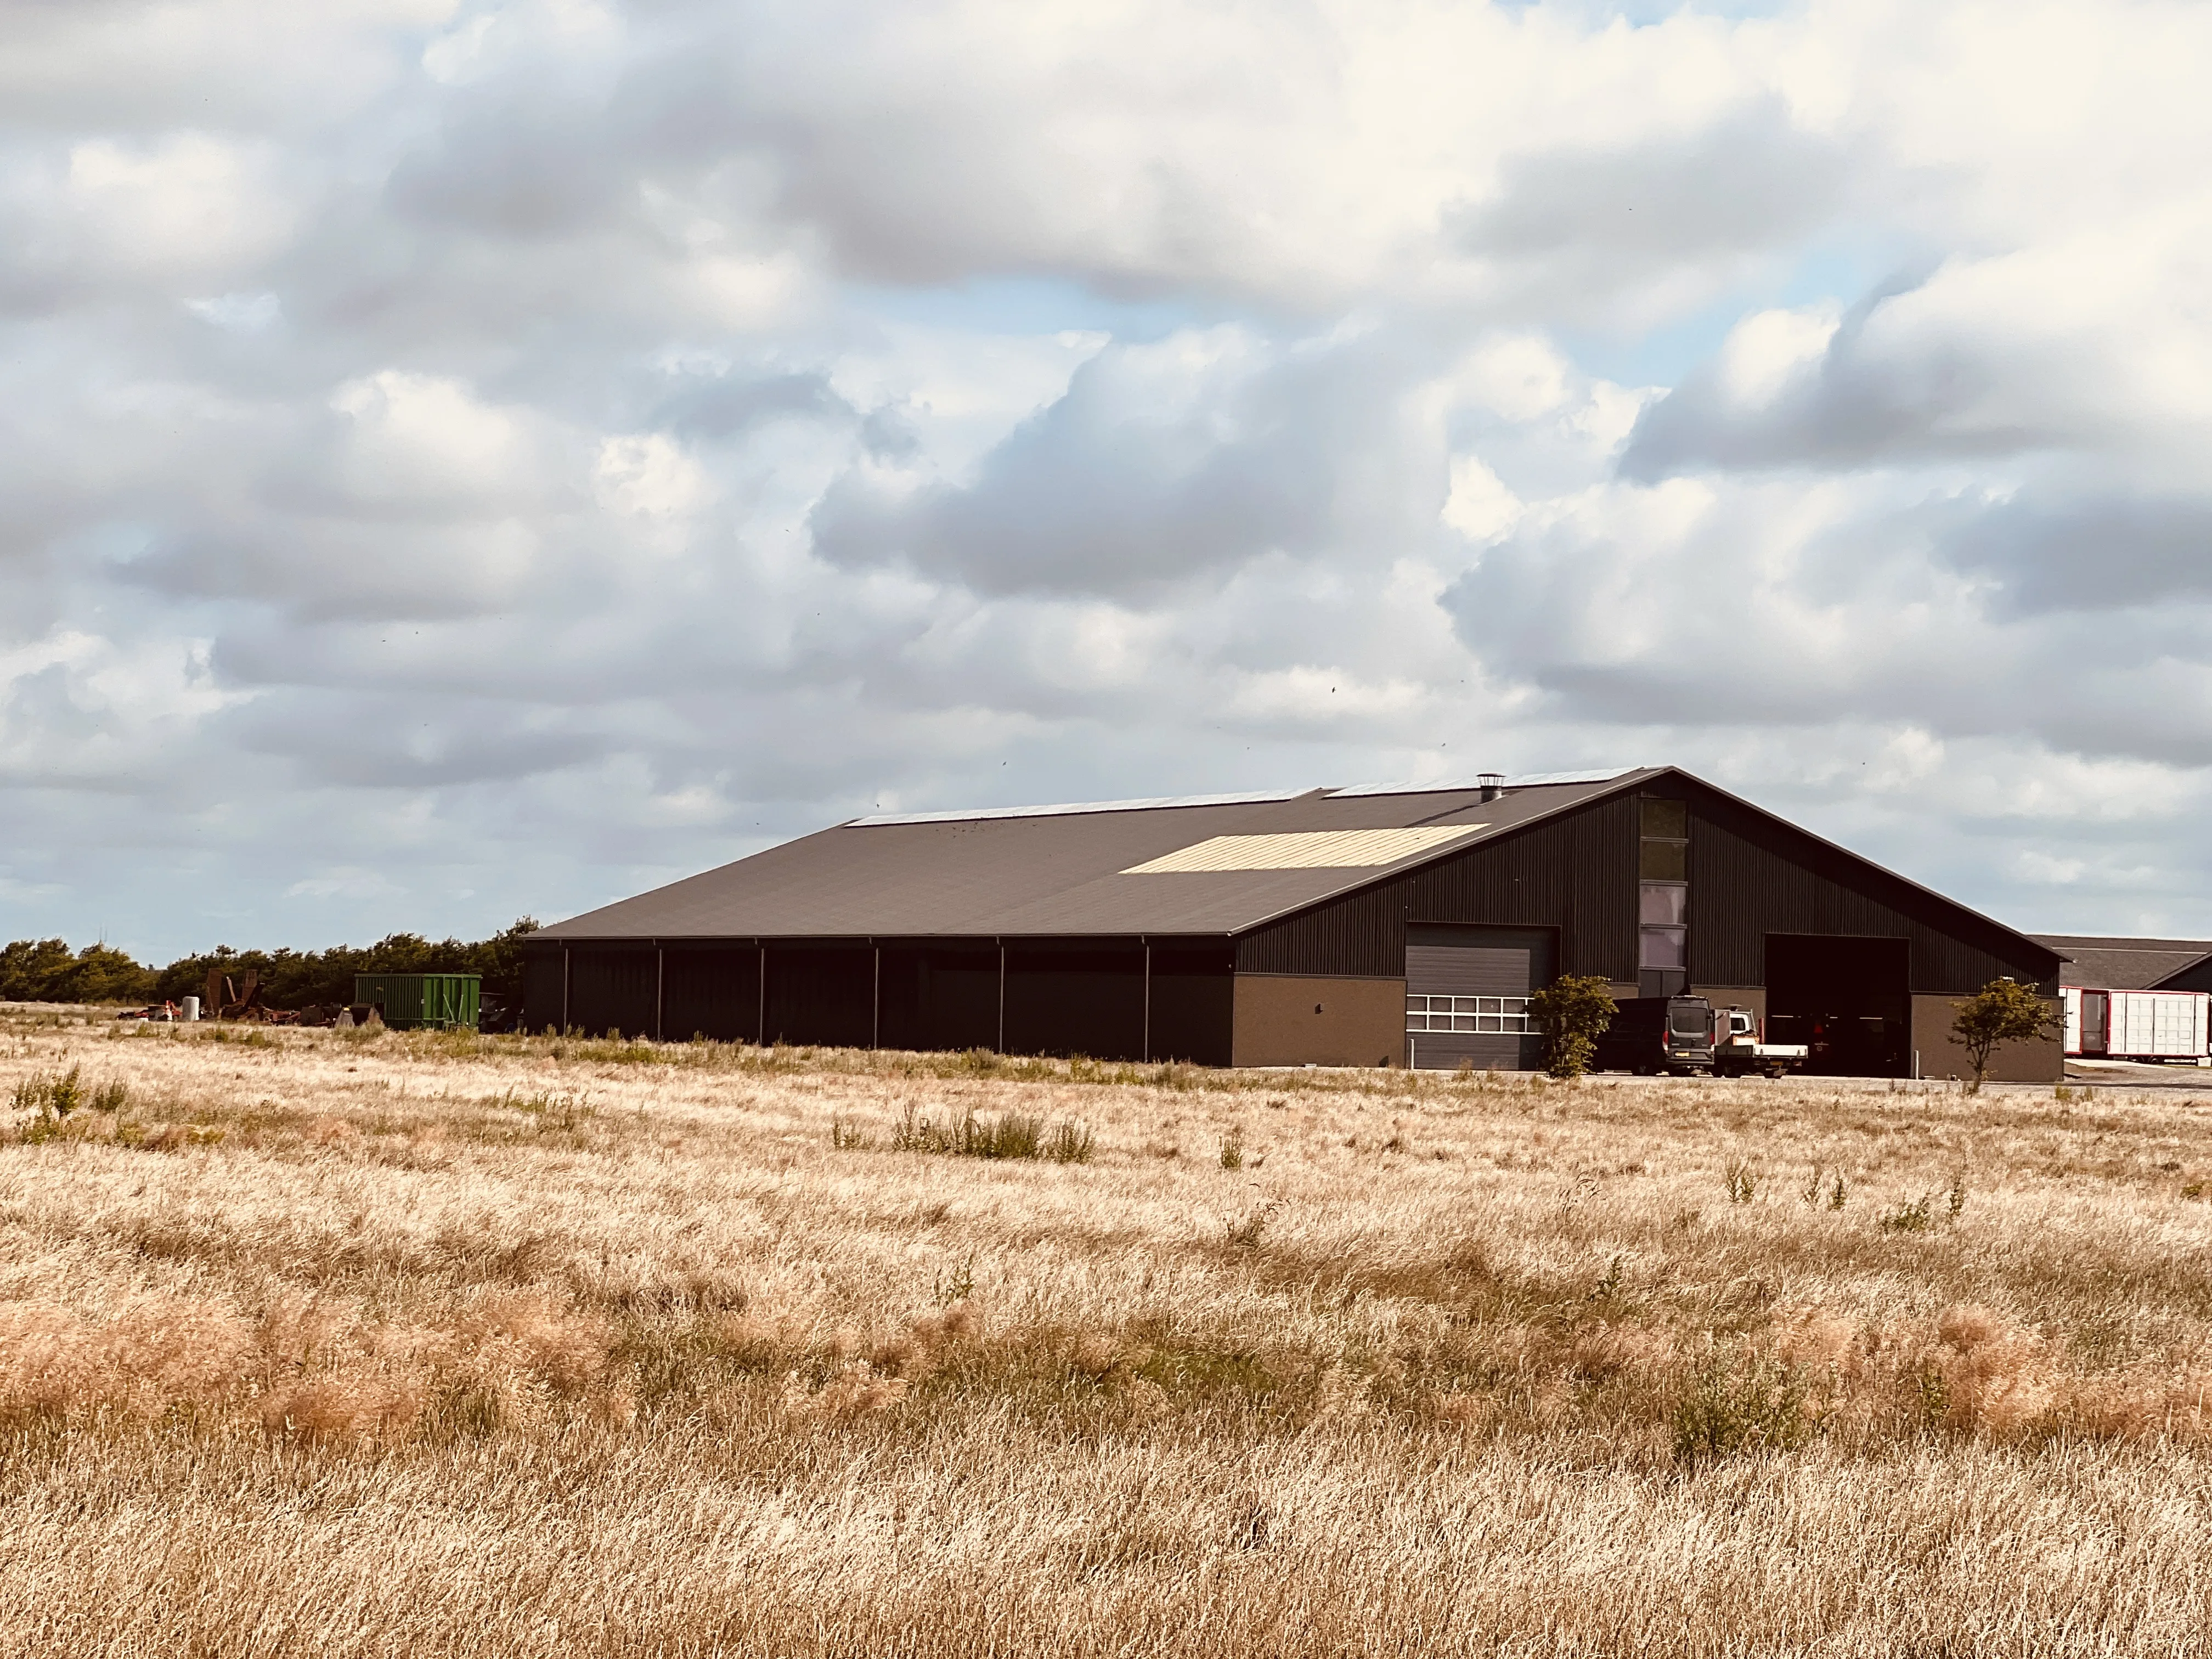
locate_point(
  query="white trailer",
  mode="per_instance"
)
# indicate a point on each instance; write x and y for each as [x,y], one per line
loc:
[2137,1024]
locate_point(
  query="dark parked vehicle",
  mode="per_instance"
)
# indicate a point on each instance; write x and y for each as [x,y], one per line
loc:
[1651,1034]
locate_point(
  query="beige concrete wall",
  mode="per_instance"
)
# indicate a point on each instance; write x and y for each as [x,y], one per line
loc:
[2043,1060]
[1285,1019]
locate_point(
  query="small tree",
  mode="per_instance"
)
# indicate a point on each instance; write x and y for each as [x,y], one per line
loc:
[1572,1012]
[2003,1010]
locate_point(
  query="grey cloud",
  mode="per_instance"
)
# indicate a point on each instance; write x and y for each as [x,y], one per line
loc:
[320,570]
[1852,408]
[1749,622]
[395,742]
[518,163]
[2107,551]
[1753,180]
[722,406]
[1146,474]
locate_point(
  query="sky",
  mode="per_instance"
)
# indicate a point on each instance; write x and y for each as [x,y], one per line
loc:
[464,460]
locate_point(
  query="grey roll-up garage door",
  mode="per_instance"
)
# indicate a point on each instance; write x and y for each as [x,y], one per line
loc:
[1467,995]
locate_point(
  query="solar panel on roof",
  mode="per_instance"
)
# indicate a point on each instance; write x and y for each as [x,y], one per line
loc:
[1603,775]
[1452,786]
[1469,785]
[1071,808]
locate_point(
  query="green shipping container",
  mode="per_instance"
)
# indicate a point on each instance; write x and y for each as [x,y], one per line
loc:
[416,1000]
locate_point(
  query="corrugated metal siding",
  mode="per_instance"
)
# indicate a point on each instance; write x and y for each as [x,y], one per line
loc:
[940,997]
[1576,872]
[613,990]
[412,1000]
[1076,999]
[711,993]
[1362,935]
[821,995]
[1751,875]
[1193,1004]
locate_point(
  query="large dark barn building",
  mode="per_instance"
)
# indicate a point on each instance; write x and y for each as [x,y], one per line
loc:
[1401,926]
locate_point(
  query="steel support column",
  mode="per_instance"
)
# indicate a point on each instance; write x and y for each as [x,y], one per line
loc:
[1148,1000]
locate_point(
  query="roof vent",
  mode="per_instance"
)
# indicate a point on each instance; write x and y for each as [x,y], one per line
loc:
[1492,784]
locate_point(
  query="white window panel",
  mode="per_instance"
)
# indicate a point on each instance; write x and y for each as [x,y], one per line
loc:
[1662,947]
[1500,1015]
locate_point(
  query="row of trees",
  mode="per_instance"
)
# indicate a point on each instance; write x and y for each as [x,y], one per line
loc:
[46,970]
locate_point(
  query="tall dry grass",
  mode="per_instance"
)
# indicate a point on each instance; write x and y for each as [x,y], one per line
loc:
[319,1343]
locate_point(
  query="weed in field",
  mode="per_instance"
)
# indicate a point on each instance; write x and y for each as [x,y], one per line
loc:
[957,1286]
[55,1096]
[1954,1200]
[1931,1397]
[244,1037]
[1246,1234]
[1070,1143]
[1609,1286]
[848,1137]
[1232,1149]
[1914,1218]
[1012,1135]
[54,1099]
[1741,1403]
[1743,1182]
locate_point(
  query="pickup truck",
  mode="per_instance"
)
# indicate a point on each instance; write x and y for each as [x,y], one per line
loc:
[1738,1051]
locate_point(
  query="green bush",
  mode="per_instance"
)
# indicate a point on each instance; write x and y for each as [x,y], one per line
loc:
[1572,1012]
[2002,1012]
[1741,1404]
[52,1096]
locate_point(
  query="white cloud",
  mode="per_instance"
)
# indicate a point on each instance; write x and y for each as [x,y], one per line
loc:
[648,474]
[238,314]
[476,457]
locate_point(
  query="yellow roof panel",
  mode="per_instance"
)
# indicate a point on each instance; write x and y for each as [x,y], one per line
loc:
[1308,850]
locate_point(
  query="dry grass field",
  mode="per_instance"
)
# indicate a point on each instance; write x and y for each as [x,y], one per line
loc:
[318,1343]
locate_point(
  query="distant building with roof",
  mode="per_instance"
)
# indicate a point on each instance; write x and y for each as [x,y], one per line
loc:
[1386,925]
[2131,964]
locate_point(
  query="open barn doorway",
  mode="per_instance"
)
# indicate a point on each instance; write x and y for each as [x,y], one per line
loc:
[1847,999]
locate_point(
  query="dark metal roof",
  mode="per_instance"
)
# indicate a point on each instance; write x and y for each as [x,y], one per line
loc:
[1058,872]
[2122,964]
